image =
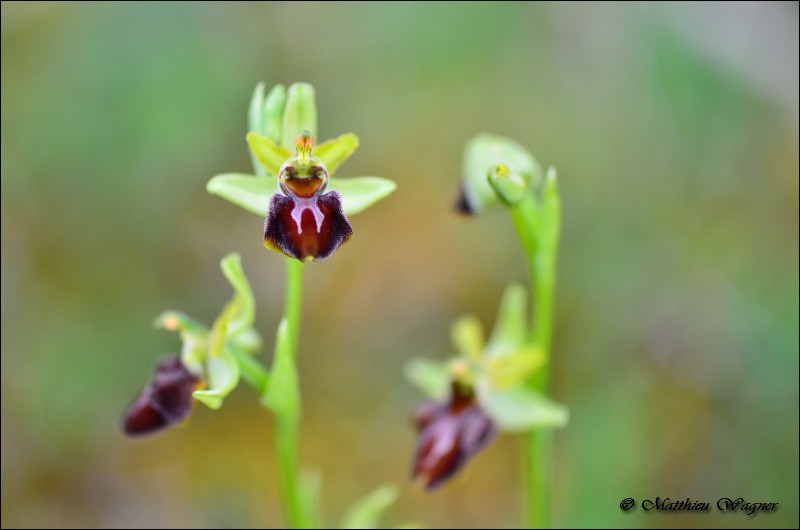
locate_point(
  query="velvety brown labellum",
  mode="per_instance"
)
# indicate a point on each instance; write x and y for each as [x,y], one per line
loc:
[166,400]
[306,228]
[449,435]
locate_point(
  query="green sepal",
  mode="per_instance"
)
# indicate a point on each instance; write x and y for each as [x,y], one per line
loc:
[299,114]
[274,104]
[431,377]
[521,409]
[359,193]
[243,315]
[253,193]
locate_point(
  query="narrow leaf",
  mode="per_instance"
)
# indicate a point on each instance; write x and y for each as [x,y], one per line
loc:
[521,409]
[367,511]
[359,193]
[334,152]
[431,377]
[283,394]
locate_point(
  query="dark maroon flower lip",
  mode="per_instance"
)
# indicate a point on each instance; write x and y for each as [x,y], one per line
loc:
[306,228]
[166,400]
[449,435]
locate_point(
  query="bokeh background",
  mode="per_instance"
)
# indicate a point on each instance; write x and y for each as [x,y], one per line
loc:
[674,129]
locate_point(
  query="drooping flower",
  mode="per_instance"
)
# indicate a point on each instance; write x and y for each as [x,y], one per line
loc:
[166,400]
[303,222]
[449,434]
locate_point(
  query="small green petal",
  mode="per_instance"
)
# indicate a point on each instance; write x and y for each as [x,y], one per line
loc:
[512,369]
[334,152]
[270,155]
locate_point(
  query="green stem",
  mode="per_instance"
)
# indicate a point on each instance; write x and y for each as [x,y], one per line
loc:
[528,218]
[287,426]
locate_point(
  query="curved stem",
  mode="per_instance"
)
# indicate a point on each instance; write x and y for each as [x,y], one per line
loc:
[287,426]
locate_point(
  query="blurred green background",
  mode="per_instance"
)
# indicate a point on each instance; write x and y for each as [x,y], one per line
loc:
[674,129]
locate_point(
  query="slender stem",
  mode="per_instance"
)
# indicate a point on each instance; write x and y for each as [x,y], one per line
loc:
[541,253]
[287,427]
[539,441]
[252,371]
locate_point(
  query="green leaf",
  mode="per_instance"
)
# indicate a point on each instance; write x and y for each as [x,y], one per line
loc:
[510,328]
[466,333]
[283,394]
[300,114]
[272,121]
[244,315]
[334,152]
[359,193]
[431,377]
[521,409]
[483,153]
[268,153]
[246,191]
[512,369]
[367,511]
